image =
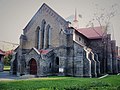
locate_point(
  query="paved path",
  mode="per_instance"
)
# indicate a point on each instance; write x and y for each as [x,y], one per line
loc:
[6,76]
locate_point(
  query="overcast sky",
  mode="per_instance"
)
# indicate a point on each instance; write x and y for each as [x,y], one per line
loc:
[15,14]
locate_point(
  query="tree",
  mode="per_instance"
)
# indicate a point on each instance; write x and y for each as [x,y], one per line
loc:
[103,18]
[7,60]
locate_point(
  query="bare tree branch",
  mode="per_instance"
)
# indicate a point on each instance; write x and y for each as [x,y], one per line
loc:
[103,18]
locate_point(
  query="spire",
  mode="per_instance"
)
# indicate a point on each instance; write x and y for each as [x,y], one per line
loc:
[75,18]
[75,21]
[75,14]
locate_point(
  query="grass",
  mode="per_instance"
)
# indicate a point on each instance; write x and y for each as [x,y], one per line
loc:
[6,68]
[63,83]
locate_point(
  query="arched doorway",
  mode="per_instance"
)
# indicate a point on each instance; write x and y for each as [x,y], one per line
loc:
[33,66]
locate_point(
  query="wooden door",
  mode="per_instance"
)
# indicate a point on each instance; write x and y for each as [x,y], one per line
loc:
[33,67]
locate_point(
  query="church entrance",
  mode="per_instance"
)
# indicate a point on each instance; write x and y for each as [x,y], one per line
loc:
[33,66]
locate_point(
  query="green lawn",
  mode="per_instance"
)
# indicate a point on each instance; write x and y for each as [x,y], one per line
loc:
[6,68]
[63,83]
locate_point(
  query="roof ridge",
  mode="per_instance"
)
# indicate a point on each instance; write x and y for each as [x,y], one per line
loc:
[43,5]
[95,33]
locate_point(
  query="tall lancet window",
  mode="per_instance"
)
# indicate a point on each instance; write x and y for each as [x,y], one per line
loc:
[42,34]
[37,39]
[47,36]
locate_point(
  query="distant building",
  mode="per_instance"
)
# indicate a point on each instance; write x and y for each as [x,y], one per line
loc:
[48,46]
[1,60]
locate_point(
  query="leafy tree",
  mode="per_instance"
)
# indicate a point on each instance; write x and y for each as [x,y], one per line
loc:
[7,60]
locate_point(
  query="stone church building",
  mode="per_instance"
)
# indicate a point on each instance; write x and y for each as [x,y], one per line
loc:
[49,46]
[2,54]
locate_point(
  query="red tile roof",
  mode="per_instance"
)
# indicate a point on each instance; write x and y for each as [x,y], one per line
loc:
[91,33]
[10,52]
[2,52]
[44,51]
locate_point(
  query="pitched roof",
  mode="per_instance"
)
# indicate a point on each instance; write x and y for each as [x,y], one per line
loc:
[44,51]
[48,10]
[91,33]
[2,52]
[41,51]
[10,52]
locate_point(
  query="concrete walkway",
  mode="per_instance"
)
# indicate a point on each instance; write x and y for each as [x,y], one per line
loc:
[6,76]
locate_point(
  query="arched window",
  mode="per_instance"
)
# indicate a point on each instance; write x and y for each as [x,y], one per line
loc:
[42,33]
[37,40]
[47,36]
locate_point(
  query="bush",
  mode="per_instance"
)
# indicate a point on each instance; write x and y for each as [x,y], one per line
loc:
[118,88]
[7,60]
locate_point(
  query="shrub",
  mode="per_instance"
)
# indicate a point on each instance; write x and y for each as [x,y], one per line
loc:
[118,88]
[7,60]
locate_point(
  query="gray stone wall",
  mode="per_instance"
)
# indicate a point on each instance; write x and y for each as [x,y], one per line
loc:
[105,49]
[97,64]
[109,55]
[118,64]
[1,63]
[78,62]
[93,64]
[44,62]
[51,18]
[65,52]
[98,47]
[114,60]
[86,64]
